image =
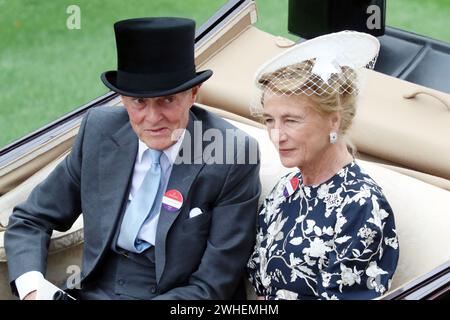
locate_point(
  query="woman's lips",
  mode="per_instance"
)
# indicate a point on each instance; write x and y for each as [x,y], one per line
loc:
[285,152]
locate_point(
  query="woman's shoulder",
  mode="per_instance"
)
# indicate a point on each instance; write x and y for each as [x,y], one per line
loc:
[364,189]
[356,177]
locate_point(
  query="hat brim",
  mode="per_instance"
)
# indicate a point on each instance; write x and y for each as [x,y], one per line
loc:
[358,49]
[109,78]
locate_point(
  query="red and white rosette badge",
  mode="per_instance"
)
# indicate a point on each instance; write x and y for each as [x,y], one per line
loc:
[290,187]
[172,200]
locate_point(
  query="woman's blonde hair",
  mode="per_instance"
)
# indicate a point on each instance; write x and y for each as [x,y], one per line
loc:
[338,94]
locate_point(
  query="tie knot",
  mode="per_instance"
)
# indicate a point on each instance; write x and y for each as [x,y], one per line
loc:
[155,155]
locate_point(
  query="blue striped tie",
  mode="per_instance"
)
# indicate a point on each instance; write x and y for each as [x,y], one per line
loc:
[140,206]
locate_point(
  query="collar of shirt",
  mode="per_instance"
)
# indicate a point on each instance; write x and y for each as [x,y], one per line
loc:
[171,152]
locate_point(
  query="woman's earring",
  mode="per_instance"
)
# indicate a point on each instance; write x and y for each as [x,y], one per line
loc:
[333,137]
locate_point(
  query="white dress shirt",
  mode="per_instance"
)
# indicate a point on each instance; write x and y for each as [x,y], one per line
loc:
[141,167]
[29,281]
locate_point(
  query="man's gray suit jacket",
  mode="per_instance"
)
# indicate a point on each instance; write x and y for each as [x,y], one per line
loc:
[196,258]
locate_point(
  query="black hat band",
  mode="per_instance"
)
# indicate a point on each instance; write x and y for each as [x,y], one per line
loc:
[157,81]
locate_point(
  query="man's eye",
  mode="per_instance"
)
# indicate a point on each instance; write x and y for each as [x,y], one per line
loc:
[139,101]
[268,121]
[169,99]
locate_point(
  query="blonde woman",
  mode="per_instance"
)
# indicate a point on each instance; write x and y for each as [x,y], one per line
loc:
[326,231]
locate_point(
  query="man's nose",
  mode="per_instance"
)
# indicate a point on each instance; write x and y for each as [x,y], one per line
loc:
[152,113]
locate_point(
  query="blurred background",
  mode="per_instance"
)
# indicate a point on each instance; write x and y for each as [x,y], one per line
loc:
[47,70]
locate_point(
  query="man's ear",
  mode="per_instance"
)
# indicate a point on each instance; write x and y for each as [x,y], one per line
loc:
[194,92]
[124,102]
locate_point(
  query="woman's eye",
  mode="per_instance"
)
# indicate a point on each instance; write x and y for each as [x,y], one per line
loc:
[169,99]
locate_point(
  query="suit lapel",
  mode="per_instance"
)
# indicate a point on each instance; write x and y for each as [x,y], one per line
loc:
[116,161]
[116,164]
[181,179]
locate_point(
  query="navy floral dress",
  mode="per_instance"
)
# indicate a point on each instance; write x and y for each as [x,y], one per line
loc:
[336,240]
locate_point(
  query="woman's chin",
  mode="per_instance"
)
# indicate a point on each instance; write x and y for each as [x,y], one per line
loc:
[289,162]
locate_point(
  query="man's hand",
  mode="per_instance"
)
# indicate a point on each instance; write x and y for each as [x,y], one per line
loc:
[260,298]
[31,296]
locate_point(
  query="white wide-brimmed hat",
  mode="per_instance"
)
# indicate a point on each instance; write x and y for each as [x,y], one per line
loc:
[334,61]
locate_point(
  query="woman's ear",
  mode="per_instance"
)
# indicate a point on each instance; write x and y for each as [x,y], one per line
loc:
[335,121]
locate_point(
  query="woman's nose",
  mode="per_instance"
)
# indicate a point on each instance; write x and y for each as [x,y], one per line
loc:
[279,131]
[277,135]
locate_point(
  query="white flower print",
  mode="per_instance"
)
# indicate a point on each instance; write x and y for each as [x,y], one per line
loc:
[348,277]
[340,221]
[275,199]
[307,191]
[300,218]
[392,242]
[308,260]
[265,280]
[328,231]
[327,297]
[275,227]
[296,241]
[378,214]
[323,190]
[317,248]
[373,273]
[362,195]
[294,261]
[367,234]
[373,284]
[332,200]
[286,294]
[373,270]
[342,173]
[272,248]
[342,240]
[326,277]
[271,211]
[306,270]
[317,231]
[309,226]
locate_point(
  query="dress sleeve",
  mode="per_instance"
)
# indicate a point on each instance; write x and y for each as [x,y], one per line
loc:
[254,263]
[258,260]
[365,251]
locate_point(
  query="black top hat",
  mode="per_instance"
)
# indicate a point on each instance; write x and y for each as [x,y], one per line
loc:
[155,57]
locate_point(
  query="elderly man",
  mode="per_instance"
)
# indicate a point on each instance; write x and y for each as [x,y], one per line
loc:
[161,219]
